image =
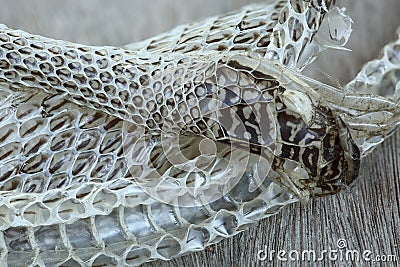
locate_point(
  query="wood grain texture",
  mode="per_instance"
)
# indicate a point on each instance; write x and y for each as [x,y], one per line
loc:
[367,216]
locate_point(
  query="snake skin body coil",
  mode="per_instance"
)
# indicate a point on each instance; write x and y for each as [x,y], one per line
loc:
[119,156]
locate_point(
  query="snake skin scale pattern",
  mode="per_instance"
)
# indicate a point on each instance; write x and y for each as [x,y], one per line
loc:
[119,156]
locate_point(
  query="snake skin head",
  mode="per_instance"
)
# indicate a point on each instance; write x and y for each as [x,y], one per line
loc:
[313,152]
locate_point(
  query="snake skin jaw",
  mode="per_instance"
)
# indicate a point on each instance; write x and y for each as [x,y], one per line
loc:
[315,154]
[125,155]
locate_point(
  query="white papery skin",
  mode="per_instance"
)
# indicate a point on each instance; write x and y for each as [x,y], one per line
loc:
[382,75]
[82,129]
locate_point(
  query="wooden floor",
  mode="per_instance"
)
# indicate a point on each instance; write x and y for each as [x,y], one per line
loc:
[367,216]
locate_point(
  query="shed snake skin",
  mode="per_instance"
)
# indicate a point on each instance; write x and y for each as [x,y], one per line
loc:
[119,156]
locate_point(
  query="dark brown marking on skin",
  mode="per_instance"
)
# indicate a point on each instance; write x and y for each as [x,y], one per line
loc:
[332,171]
[286,130]
[310,160]
[290,152]
[332,147]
